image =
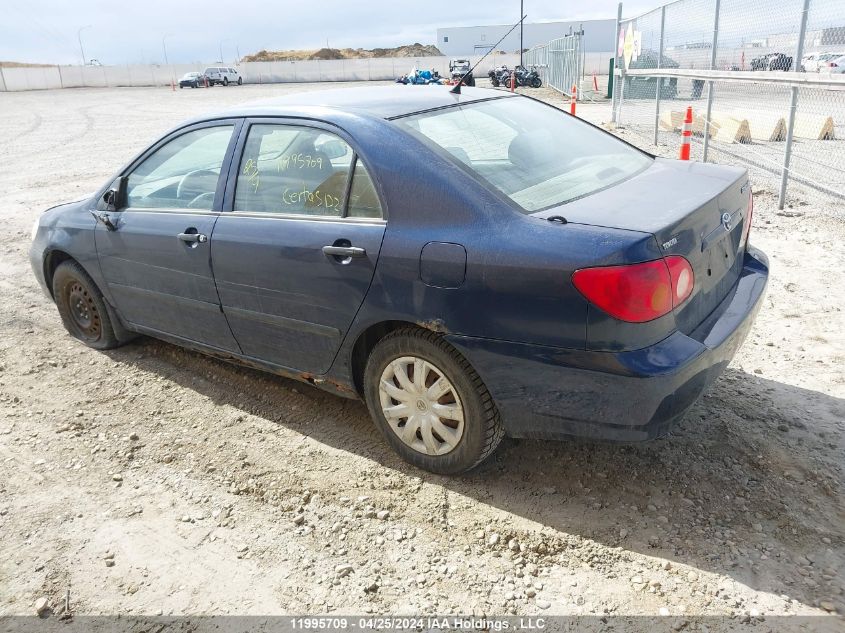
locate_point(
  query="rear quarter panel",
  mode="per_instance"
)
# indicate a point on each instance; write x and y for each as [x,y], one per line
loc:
[517,284]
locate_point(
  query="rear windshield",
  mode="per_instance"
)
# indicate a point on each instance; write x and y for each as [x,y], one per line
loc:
[536,155]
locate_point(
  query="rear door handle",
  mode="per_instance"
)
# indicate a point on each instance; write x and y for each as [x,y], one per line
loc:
[193,238]
[344,251]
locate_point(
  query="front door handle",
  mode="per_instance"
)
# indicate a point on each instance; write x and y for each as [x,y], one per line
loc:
[344,251]
[193,238]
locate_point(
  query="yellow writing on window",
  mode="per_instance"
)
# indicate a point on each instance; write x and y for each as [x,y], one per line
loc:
[298,161]
[251,172]
[311,199]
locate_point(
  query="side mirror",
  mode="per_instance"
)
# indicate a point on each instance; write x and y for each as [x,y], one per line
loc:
[113,198]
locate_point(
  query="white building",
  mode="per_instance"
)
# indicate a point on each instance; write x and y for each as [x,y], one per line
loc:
[477,40]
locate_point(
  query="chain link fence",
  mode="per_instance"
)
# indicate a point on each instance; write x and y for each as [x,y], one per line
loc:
[559,62]
[764,78]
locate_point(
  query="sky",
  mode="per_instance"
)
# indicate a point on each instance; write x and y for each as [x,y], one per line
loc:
[139,31]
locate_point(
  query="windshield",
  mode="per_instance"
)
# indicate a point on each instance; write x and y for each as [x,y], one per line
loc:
[535,154]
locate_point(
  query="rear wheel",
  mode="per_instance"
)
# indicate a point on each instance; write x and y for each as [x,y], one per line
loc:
[82,307]
[429,403]
[536,82]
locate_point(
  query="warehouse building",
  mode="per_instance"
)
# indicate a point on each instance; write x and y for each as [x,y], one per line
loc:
[477,40]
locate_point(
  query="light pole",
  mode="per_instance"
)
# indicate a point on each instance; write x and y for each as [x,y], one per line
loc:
[79,37]
[521,23]
[164,46]
[221,48]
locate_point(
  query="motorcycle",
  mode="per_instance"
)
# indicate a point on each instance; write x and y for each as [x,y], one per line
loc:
[525,77]
[500,76]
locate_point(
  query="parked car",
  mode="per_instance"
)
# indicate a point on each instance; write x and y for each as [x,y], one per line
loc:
[772,61]
[192,80]
[222,75]
[471,266]
[835,64]
[817,62]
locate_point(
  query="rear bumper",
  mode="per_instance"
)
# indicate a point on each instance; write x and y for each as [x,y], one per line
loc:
[552,393]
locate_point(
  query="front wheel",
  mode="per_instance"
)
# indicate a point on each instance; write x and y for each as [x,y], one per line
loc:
[495,82]
[536,82]
[240,81]
[225,81]
[82,307]
[429,403]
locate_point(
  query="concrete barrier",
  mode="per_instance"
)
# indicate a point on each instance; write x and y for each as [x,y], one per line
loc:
[814,126]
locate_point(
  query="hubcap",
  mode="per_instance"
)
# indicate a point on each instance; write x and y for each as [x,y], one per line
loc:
[421,406]
[84,312]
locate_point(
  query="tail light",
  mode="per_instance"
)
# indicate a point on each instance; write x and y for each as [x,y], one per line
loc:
[637,292]
[746,229]
[834,65]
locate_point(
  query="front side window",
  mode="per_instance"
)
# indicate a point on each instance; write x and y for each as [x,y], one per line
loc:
[293,170]
[181,174]
[534,154]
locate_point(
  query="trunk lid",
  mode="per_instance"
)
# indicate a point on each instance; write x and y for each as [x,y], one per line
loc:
[697,210]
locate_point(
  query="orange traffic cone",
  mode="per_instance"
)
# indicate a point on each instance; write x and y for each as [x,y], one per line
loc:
[686,135]
[572,98]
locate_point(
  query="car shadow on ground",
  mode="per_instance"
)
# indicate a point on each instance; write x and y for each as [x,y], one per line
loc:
[748,485]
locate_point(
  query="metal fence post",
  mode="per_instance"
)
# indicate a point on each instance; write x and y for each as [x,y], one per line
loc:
[659,81]
[3,80]
[793,107]
[613,98]
[710,85]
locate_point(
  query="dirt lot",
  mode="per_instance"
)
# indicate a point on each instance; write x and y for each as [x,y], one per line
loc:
[154,480]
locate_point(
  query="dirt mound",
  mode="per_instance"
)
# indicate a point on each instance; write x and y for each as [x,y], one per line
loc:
[411,50]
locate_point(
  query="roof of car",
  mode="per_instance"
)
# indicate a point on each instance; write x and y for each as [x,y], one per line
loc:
[380,101]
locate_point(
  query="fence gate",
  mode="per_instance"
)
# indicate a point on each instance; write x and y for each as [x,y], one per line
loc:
[558,62]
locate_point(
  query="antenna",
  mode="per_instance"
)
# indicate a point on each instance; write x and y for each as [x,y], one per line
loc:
[457,89]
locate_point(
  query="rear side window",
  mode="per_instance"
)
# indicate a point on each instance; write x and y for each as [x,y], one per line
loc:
[181,174]
[293,170]
[363,199]
[536,155]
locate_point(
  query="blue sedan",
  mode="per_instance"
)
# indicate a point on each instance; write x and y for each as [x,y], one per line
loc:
[471,265]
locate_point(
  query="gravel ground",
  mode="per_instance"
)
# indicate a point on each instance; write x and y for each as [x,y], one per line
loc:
[152,480]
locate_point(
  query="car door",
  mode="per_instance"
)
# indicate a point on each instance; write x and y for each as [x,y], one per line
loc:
[154,252]
[295,252]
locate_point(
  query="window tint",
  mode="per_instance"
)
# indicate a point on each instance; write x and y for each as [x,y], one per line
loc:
[290,169]
[363,200]
[183,173]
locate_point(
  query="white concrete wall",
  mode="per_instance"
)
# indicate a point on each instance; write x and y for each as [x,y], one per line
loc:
[387,68]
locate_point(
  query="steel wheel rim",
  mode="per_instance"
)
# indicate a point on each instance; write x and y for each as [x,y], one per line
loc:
[421,405]
[83,311]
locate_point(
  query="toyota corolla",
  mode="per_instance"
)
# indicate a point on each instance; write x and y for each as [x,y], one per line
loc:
[470,265]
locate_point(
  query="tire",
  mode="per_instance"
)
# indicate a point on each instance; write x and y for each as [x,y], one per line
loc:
[536,82]
[495,82]
[240,81]
[181,86]
[473,439]
[82,307]
[225,81]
